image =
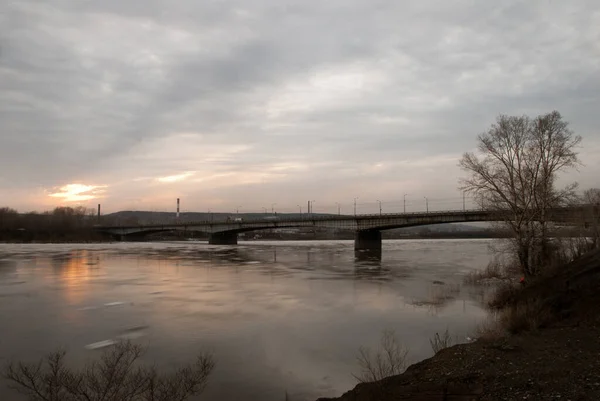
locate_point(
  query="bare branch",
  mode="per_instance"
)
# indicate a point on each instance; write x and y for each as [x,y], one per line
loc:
[115,377]
[389,360]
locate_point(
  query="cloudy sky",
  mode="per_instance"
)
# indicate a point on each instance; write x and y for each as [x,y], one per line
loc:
[244,104]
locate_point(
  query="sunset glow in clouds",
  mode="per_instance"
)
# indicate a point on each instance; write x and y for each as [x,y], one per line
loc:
[78,192]
[175,178]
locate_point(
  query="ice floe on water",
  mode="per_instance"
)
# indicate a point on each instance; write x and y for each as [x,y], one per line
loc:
[88,308]
[117,303]
[105,305]
[100,344]
[131,333]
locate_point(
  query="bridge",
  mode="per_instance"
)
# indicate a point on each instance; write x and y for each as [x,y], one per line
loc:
[367,227]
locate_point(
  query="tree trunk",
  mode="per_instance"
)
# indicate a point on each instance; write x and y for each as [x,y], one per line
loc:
[523,256]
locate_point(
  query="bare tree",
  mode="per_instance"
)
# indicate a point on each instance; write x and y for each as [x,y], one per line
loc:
[592,196]
[387,361]
[115,377]
[514,174]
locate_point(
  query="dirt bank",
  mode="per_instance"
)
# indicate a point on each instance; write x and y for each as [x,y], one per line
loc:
[558,361]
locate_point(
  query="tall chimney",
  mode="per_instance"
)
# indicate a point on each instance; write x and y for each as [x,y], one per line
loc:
[98,212]
[177,208]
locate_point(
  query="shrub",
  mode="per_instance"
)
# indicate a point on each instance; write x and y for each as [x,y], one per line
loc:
[497,268]
[504,296]
[115,377]
[387,361]
[490,329]
[524,316]
[438,342]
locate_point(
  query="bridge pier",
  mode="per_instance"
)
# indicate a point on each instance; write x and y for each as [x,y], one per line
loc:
[119,237]
[223,238]
[368,241]
[129,237]
[367,245]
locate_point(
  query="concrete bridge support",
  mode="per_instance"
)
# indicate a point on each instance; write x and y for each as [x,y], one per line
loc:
[367,245]
[367,240]
[223,238]
[129,237]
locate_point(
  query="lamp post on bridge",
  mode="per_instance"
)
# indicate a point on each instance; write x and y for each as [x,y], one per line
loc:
[379,207]
[339,208]
[405,203]
[426,204]
[355,205]
[273,208]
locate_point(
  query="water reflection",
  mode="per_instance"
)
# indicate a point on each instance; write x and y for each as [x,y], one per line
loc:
[72,271]
[368,255]
[439,295]
[8,266]
[279,316]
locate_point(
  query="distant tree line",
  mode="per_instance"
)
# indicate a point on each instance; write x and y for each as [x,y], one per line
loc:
[63,224]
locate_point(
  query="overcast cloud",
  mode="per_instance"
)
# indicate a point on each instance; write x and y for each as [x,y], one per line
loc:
[249,103]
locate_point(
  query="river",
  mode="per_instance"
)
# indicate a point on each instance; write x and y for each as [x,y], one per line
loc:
[278,316]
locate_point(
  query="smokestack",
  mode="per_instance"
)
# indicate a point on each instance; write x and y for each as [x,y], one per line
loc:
[98,212]
[177,207]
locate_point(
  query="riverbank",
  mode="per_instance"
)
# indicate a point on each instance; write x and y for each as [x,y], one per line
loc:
[559,359]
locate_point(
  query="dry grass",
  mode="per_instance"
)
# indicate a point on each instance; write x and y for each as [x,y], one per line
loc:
[528,316]
[504,295]
[439,342]
[515,313]
[490,329]
[533,304]
[494,270]
[389,360]
[543,300]
[115,377]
